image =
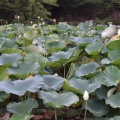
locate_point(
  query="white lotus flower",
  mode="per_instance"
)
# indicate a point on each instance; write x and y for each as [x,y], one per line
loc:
[110,92]
[109,31]
[43,23]
[34,42]
[119,32]
[86,96]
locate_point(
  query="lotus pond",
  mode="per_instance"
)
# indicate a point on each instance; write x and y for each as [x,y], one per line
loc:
[45,70]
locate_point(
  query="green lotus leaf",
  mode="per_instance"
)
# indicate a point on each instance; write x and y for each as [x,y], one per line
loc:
[20,87]
[30,35]
[9,43]
[3,74]
[86,25]
[24,107]
[3,96]
[101,92]
[10,59]
[114,56]
[54,64]
[62,56]
[32,57]
[83,41]
[2,43]
[55,46]
[97,107]
[94,48]
[20,117]
[105,61]
[80,86]
[115,118]
[52,82]
[113,45]
[112,75]
[62,27]
[114,100]
[11,51]
[23,69]
[58,100]
[88,69]
[34,49]
[10,35]
[99,77]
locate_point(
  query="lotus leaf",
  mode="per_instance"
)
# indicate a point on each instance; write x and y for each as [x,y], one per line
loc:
[3,96]
[97,107]
[112,75]
[20,87]
[101,93]
[23,69]
[24,107]
[86,25]
[83,41]
[58,100]
[52,82]
[30,35]
[88,69]
[3,74]
[115,118]
[62,27]
[94,48]
[9,43]
[113,45]
[80,86]
[62,56]
[10,59]
[114,101]
[20,117]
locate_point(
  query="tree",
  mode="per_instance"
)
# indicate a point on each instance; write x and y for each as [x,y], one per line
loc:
[29,9]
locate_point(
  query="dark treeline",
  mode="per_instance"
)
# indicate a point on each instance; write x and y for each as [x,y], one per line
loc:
[81,10]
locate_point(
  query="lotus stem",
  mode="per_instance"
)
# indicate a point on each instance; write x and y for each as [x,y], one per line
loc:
[64,70]
[85,110]
[23,104]
[55,114]
[37,53]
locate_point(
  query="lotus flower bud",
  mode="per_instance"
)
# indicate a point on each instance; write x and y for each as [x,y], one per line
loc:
[54,20]
[18,17]
[38,17]
[86,96]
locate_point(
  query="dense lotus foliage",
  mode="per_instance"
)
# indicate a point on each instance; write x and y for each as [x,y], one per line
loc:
[51,66]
